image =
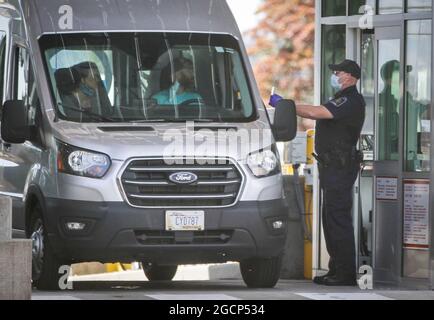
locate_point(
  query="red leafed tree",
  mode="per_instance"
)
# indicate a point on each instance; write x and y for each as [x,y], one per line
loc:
[282,48]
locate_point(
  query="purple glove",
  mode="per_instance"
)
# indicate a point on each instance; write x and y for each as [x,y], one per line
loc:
[274,99]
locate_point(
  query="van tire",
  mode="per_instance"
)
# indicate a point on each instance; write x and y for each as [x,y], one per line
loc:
[45,265]
[261,273]
[159,273]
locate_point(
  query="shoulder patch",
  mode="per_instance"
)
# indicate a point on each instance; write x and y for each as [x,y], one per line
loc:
[339,101]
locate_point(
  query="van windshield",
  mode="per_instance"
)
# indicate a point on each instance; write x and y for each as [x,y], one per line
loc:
[140,77]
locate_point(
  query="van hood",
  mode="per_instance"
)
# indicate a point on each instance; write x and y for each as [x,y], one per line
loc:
[125,141]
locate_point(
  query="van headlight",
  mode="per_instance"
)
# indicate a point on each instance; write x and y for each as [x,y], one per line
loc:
[263,163]
[80,162]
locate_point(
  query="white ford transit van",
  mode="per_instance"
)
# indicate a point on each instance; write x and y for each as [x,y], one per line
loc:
[134,131]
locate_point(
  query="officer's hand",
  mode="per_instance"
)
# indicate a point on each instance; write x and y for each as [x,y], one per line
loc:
[274,99]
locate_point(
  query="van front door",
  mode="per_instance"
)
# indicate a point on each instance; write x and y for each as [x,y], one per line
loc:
[8,163]
[18,159]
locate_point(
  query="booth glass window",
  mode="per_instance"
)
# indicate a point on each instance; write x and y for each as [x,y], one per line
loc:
[368,68]
[2,64]
[418,96]
[332,8]
[357,7]
[389,97]
[333,51]
[419,5]
[390,6]
[367,86]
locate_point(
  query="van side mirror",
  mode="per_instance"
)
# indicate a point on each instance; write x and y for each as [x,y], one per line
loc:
[285,121]
[14,128]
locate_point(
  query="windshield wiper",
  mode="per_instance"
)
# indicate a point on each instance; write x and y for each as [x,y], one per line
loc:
[174,120]
[89,113]
[192,120]
[149,120]
[205,120]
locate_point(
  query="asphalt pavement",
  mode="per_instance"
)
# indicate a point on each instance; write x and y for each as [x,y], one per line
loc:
[195,283]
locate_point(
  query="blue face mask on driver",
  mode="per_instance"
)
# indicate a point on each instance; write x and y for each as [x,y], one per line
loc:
[334,81]
[87,91]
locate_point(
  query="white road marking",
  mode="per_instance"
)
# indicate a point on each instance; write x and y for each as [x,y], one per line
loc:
[343,296]
[59,297]
[214,297]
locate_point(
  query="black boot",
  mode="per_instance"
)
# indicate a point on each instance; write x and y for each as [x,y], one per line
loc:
[320,279]
[340,281]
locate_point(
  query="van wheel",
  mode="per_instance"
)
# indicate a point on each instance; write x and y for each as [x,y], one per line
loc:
[261,273]
[159,273]
[45,265]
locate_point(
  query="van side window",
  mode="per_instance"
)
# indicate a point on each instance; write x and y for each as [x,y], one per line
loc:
[24,83]
[2,64]
[32,97]
[20,80]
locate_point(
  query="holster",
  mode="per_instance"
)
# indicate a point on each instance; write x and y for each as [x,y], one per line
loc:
[340,159]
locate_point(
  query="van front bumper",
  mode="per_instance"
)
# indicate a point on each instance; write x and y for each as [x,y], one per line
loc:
[117,232]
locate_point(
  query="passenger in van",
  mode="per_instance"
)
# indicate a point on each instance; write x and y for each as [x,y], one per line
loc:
[183,88]
[81,88]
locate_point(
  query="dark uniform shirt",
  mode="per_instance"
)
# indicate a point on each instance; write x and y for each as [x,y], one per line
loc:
[343,131]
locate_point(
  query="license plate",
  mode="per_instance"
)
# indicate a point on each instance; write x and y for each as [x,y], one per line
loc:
[185,220]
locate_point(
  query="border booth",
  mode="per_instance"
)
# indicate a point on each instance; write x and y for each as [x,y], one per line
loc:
[393,198]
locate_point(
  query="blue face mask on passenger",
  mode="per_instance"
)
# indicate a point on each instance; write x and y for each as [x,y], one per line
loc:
[334,81]
[87,91]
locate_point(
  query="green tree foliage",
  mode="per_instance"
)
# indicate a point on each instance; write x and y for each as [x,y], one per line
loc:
[282,48]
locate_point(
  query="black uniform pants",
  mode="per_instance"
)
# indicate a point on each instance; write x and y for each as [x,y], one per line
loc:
[337,201]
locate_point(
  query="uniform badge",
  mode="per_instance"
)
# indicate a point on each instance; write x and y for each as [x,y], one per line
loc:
[339,101]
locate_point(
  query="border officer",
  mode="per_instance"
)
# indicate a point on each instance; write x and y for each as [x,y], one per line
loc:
[338,127]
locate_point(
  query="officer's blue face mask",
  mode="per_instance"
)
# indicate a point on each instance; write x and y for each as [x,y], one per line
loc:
[334,81]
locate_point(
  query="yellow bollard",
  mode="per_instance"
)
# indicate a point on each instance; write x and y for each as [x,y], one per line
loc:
[308,192]
[111,267]
[287,170]
[117,267]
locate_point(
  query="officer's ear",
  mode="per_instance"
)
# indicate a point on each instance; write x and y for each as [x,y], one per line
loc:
[351,76]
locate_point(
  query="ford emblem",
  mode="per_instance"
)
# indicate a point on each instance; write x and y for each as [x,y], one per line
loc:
[183,177]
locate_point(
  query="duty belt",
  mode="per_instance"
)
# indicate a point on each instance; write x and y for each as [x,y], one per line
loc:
[339,159]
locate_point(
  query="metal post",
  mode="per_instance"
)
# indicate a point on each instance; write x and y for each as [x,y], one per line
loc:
[5,219]
[15,259]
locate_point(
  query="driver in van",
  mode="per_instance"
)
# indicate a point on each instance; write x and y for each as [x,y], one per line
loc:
[183,88]
[81,89]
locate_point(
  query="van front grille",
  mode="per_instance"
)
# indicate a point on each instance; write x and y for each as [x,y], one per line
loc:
[147,183]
